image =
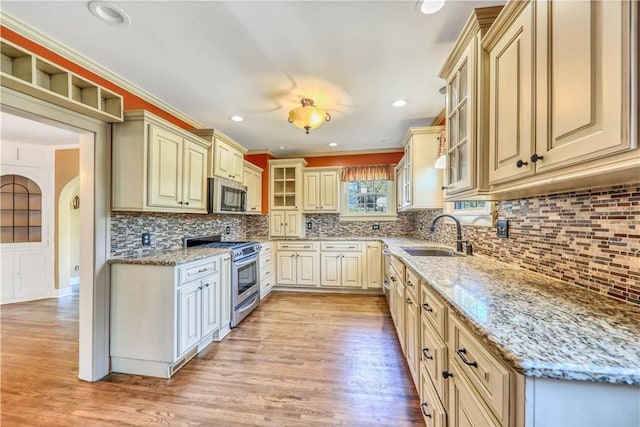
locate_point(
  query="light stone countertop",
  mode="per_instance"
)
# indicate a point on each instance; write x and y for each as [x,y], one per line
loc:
[171,256]
[539,326]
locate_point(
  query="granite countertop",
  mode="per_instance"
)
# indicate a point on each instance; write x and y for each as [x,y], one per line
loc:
[171,256]
[539,326]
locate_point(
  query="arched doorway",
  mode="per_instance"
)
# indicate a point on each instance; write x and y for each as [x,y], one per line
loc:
[69,236]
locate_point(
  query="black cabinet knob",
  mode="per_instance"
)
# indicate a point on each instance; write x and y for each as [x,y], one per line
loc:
[520,163]
[446,374]
[535,157]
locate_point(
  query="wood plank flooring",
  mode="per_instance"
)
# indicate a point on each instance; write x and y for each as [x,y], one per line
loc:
[299,360]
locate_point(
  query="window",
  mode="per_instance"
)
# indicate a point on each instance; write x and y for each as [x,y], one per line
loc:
[368,199]
[478,213]
[20,210]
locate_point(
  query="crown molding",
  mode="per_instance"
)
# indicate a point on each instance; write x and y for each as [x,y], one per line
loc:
[262,151]
[55,46]
[340,153]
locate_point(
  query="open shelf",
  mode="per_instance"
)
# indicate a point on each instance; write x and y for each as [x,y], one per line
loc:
[26,72]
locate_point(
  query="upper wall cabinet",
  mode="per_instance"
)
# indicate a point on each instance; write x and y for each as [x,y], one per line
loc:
[226,159]
[563,101]
[28,73]
[253,182]
[465,72]
[320,192]
[157,167]
[286,184]
[421,182]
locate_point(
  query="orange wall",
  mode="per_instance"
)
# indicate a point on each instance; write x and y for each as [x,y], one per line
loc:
[131,101]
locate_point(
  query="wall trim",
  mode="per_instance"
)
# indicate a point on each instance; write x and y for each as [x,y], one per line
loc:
[48,42]
[341,153]
[64,292]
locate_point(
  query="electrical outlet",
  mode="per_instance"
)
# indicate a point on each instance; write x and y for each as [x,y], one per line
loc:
[503,228]
[146,239]
[227,230]
[309,225]
[375,227]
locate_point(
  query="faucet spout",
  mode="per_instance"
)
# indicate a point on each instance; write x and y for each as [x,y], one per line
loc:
[458,229]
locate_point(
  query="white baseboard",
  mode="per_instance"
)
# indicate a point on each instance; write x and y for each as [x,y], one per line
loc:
[74,282]
[64,292]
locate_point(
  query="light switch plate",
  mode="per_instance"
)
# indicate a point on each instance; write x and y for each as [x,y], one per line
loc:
[309,226]
[503,228]
[375,227]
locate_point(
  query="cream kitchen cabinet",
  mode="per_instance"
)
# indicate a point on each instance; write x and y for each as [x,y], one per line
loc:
[561,103]
[177,310]
[226,159]
[253,182]
[341,264]
[157,167]
[402,195]
[421,186]
[297,264]
[320,192]
[286,184]
[465,72]
[373,265]
[286,224]
[267,279]
[412,335]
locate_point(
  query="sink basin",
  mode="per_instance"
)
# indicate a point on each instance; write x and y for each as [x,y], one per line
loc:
[431,252]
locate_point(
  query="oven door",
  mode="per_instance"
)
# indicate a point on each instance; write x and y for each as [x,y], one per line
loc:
[244,280]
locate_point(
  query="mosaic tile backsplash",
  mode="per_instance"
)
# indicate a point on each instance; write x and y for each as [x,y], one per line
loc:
[329,225]
[589,238]
[167,230]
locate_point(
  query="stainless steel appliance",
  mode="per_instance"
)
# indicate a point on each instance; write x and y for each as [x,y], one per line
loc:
[386,280]
[245,274]
[225,196]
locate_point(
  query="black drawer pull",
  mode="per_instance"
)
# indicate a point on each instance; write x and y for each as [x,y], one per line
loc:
[425,353]
[520,163]
[446,374]
[426,307]
[462,353]
[423,407]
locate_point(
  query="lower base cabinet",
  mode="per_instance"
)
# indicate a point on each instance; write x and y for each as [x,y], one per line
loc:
[162,316]
[433,411]
[466,408]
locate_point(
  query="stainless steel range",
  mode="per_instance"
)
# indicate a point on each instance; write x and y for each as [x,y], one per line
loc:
[245,285]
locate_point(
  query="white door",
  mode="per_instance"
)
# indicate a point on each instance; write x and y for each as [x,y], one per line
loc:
[27,267]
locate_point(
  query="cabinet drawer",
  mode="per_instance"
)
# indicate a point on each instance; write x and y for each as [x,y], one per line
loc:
[399,266]
[432,409]
[265,262]
[265,250]
[412,281]
[297,246]
[340,246]
[486,374]
[434,310]
[197,270]
[434,358]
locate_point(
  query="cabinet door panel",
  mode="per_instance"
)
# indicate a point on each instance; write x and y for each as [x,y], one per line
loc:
[237,169]
[165,170]
[311,198]
[190,315]
[330,269]
[210,305]
[277,223]
[399,304]
[412,337]
[373,266]
[223,161]
[511,99]
[307,269]
[580,81]
[194,176]
[286,268]
[351,269]
[466,409]
[329,191]
[292,224]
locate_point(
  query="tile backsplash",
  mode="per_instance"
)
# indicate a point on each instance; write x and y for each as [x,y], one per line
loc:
[167,230]
[589,238]
[329,225]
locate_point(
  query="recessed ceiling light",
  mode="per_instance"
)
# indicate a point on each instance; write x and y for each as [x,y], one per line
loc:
[237,118]
[399,103]
[431,6]
[333,144]
[109,13]
[282,147]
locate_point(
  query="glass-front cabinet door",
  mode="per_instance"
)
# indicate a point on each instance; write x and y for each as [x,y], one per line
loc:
[460,138]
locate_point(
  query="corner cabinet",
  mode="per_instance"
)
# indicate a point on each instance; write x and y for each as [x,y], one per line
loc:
[320,190]
[285,197]
[421,184]
[465,72]
[157,167]
[226,158]
[253,182]
[563,100]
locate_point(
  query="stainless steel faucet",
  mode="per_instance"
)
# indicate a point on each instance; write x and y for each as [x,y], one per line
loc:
[459,240]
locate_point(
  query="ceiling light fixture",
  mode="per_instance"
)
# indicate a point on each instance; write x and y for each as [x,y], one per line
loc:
[399,103]
[431,6]
[282,147]
[308,116]
[333,144]
[109,13]
[236,118]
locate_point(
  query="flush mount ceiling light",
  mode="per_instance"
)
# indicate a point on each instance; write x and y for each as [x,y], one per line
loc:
[308,116]
[333,144]
[236,118]
[399,103]
[431,6]
[109,13]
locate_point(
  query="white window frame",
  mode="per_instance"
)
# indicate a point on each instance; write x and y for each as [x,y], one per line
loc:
[391,215]
[481,217]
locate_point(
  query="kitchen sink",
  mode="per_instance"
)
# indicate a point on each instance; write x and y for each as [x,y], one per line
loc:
[431,252]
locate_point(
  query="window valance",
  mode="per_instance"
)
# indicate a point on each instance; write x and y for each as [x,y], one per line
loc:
[367,173]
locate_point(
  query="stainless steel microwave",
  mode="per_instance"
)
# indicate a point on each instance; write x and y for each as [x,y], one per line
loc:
[225,196]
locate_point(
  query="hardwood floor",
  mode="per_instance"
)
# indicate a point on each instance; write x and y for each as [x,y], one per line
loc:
[299,360]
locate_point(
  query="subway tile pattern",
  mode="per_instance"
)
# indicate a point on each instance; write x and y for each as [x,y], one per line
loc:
[589,238]
[167,230]
[329,225]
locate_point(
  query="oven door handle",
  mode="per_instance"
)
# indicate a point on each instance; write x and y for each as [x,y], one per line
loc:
[248,306]
[245,261]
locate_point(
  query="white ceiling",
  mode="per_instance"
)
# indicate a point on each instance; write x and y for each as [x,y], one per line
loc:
[214,59]
[18,129]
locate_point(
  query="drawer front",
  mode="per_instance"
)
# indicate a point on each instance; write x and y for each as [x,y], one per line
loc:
[297,246]
[434,357]
[265,262]
[466,408]
[341,246]
[399,266]
[198,270]
[265,250]
[412,282]
[433,411]
[434,310]
[486,374]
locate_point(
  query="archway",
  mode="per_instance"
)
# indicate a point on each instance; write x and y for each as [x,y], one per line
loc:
[68,244]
